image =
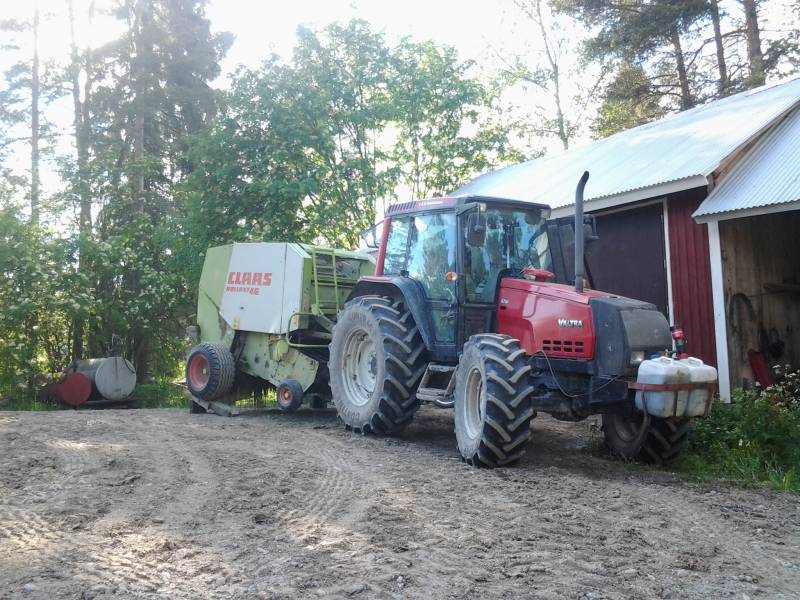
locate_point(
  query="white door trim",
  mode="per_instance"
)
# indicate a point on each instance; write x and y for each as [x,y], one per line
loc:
[720,324]
[668,263]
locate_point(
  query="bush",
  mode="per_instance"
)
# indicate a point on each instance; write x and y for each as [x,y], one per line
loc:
[163,394]
[754,440]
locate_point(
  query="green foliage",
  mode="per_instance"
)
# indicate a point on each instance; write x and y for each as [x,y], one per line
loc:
[164,394]
[755,440]
[119,276]
[39,297]
[303,149]
[629,100]
[449,126]
[165,167]
[668,56]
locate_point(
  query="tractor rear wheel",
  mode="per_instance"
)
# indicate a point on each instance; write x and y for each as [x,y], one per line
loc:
[210,370]
[493,405]
[640,436]
[376,362]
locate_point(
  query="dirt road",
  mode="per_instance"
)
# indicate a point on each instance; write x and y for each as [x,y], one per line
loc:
[137,503]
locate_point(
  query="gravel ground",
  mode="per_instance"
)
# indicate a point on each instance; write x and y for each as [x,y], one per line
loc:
[127,504]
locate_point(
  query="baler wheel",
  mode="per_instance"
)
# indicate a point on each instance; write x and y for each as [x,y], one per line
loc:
[493,404]
[290,396]
[210,370]
[376,362]
[645,438]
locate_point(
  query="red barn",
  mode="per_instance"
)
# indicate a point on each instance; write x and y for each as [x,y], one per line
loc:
[697,213]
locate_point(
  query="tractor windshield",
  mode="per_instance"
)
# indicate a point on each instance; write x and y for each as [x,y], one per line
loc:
[515,240]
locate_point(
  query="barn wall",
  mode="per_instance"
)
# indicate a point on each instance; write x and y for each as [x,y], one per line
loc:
[691,274]
[757,251]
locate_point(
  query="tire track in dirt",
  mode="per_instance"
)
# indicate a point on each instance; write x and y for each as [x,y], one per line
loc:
[22,528]
[141,557]
[347,516]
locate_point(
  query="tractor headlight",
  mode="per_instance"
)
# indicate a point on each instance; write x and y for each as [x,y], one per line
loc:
[637,356]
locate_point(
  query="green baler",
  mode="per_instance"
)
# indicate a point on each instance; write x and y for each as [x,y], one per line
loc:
[265,313]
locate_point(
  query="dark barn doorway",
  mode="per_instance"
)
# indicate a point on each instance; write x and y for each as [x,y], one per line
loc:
[629,258]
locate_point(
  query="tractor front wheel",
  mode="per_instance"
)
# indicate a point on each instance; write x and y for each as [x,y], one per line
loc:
[376,362]
[493,405]
[640,436]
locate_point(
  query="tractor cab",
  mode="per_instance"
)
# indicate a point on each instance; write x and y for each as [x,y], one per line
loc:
[455,251]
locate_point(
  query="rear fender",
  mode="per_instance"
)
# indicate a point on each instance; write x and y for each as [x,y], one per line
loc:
[400,288]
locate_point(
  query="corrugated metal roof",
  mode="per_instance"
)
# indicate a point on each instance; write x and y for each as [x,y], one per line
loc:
[768,174]
[679,147]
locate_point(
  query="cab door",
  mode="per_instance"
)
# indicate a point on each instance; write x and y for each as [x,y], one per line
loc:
[477,309]
[431,256]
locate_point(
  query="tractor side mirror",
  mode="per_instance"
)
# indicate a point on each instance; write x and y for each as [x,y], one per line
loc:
[372,236]
[476,230]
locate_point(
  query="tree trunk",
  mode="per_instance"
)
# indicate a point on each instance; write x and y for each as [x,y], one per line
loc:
[35,122]
[81,124]
[722,84]
[141,88]
[686,94]
[553,59]
[140,102]
[757,76]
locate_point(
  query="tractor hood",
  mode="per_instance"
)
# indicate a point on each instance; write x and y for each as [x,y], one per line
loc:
[555,290]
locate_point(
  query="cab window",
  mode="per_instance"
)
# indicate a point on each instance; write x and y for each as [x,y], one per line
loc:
[394,262]
[432,253]
[515,240]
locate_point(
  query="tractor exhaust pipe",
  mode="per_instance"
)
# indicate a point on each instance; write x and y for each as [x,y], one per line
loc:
[579,234]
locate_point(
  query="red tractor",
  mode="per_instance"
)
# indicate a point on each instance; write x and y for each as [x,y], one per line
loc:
[466,311]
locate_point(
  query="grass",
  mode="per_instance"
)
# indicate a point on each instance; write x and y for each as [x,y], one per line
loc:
[755,441]
[161,394]
[26,403]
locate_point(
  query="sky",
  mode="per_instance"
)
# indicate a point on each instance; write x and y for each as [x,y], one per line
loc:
[483,31]
[261,27]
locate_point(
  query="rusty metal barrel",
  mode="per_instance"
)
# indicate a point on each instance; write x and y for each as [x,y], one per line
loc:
[73,390]
[112,378]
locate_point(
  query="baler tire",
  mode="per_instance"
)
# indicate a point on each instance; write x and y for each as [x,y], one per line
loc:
[289,396]
[496,431]
[659,441]
[376,340]
[219,373]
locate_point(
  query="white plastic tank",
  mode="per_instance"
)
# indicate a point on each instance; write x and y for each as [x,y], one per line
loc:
[663,370]
[699,372]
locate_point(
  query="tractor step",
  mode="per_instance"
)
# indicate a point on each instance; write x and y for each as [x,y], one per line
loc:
[436,385]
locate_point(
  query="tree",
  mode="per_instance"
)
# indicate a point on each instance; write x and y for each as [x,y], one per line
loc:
[149,92]
[542,70]
[643,33]
[629,100]
[304,149]
[21,100]
[755,57]
[722,83]
[449,124]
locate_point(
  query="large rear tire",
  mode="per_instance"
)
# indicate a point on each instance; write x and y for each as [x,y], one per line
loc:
[493,405]
[376,362]
[210,370]
[640,436]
